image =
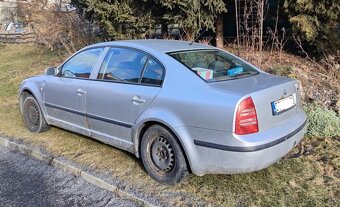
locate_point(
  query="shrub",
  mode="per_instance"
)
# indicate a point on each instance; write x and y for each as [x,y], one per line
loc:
[281,70]
[322,122]
[55,27]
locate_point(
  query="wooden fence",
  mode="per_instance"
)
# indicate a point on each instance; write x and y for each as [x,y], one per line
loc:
[17,38]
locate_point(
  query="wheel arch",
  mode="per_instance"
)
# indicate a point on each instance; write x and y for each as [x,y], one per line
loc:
[35,92]
[22,97]
[147,124]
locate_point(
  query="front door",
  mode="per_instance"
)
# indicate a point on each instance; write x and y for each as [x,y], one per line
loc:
[65,93]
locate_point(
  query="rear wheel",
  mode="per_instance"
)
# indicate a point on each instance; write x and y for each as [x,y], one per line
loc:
[162,156]
[33,117]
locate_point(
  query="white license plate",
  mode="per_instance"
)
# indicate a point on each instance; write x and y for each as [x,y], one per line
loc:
[283,105]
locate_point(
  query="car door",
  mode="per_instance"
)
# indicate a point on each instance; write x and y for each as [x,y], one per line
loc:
[128,81]
[65,93]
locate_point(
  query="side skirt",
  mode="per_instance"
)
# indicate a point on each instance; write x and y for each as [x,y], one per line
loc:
[112,141]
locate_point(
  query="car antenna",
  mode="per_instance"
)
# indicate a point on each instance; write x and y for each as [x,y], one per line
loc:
[194,40]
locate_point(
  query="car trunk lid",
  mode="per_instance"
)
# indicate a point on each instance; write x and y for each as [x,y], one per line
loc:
[265,89]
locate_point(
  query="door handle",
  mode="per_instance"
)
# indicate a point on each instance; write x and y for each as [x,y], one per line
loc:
[80,92]
[137,100]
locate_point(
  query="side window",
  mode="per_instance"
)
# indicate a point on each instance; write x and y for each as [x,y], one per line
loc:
[81,65]
[153,72]
[122,64]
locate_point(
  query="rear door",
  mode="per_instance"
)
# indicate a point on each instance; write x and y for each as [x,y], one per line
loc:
[65,93]
[128,81]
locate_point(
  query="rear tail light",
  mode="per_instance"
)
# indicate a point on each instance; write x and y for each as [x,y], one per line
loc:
[246,118]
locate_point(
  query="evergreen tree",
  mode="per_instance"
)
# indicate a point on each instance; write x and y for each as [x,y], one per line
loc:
[125,19]
[316,22]
[191,15]
[119,19]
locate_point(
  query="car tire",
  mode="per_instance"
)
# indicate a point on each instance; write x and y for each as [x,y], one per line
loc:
[33,117]
[162,156]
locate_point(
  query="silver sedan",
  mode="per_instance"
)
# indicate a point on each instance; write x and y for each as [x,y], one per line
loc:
[181,107]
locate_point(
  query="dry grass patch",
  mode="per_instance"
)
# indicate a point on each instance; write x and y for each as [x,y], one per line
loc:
[311,180]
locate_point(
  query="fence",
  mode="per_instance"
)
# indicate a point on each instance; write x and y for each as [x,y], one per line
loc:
[17,38]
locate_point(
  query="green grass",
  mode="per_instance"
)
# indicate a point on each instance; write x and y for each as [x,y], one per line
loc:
[309,180]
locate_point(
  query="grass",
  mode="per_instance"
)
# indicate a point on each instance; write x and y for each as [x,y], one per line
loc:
[308,180]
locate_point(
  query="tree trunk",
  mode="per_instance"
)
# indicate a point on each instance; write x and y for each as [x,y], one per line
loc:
[261,24]
[219,31]
[164,30]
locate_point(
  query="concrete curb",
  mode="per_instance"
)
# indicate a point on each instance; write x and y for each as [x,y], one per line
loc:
[57,163]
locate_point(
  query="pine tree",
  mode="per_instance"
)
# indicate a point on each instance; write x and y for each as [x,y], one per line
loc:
[126,19]
[316,22]
[191,15]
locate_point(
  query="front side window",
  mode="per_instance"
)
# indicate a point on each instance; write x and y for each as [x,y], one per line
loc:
[81,65]
[214,65]
[122,64]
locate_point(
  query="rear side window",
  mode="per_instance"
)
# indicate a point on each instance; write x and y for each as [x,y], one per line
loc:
[153,72]
[214,65]
[122,64]
[81,65]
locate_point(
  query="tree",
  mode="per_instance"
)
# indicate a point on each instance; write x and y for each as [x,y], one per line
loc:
[219,31]
[191,15]
[118,19]
[316,24]
[123,19]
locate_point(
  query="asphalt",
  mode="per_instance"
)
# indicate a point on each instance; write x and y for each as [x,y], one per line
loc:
[25,181]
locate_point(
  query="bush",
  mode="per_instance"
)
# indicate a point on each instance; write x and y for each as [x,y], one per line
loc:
[322,122]
[54,27]
[281,71]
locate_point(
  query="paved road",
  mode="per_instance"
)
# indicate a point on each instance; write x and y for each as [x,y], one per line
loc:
[25,182]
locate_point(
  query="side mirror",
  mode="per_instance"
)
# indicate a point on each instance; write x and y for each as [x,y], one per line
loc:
[51,71]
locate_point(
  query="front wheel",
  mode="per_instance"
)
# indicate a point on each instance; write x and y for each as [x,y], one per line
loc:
[162,156]
[33,117]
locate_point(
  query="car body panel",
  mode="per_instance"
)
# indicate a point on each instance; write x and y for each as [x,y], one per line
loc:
[234,154]
[263,88]
[71,107]
[33,85]
[201,114]
[112,111]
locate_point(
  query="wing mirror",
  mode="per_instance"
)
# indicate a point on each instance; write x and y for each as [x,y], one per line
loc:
[51,71]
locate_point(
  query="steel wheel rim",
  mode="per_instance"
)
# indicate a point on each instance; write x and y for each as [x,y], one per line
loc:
[33,114]
[162,156]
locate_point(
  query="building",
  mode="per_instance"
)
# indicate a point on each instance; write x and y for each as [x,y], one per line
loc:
[9,19]
[8,9]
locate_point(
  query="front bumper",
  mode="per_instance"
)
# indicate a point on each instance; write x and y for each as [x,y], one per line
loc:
[210,156]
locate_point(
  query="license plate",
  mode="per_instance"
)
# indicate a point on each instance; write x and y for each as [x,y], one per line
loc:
[283,105]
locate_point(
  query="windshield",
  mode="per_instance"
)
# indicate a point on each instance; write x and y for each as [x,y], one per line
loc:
[214,65]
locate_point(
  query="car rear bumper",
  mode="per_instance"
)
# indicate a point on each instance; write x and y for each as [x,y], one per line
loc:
[211,156]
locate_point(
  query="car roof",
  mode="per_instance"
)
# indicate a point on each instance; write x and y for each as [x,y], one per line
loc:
[160,45]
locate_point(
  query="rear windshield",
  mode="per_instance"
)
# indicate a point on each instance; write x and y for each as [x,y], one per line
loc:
[214,65]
